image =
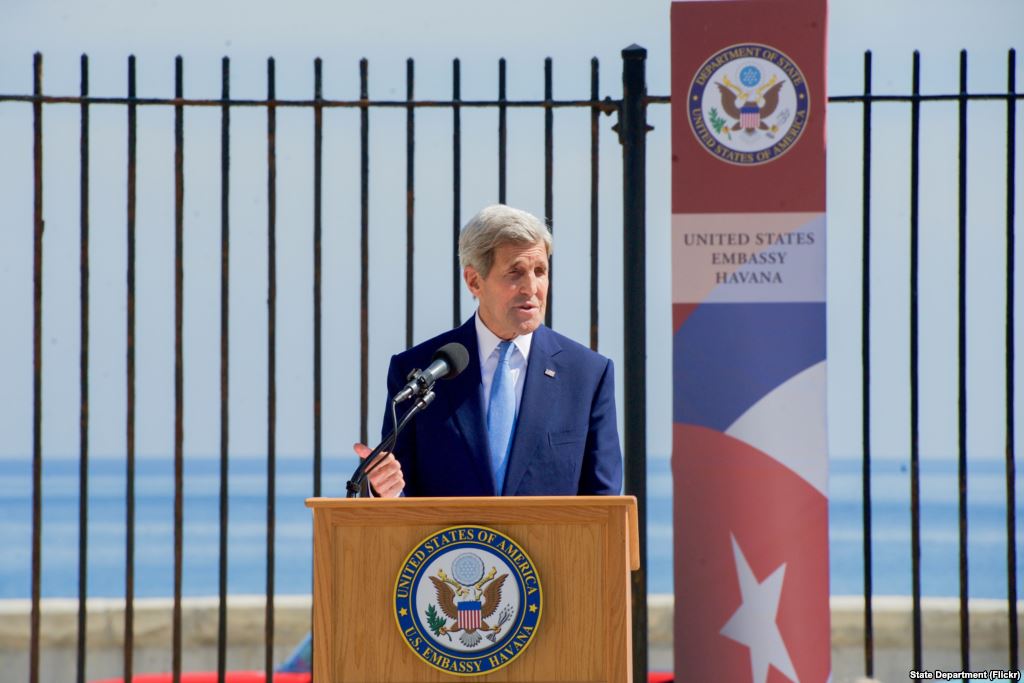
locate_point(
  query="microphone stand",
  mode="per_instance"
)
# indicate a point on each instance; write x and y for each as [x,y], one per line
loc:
[359,476]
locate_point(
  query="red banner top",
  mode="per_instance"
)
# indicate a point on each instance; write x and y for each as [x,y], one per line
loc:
[748,106]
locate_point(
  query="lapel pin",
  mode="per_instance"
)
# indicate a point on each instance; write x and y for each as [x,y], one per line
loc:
[549,372]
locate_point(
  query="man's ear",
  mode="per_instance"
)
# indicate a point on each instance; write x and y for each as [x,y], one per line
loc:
[472,278]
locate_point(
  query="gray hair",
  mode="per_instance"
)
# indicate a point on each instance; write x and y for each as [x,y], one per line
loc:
[494,226]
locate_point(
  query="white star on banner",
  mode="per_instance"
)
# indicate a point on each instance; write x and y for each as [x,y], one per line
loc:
[753,622]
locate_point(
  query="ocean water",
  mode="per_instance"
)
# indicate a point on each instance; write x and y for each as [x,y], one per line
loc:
[154,549]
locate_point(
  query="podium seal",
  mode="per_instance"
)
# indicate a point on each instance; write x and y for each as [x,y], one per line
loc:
[467,600]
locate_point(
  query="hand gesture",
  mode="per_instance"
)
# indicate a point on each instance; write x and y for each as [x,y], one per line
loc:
[386,476]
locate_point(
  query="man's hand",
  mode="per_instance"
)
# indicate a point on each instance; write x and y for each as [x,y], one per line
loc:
[386,476]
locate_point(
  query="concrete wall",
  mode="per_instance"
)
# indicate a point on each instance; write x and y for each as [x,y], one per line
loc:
[152,635]
[105,633]
[940,636]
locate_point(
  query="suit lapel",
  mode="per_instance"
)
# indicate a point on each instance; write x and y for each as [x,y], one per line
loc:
[540,393]
[469,413]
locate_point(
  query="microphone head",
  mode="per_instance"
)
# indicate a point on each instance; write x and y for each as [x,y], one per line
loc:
[455,355]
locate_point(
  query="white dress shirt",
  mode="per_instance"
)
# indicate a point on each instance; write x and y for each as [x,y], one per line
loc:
[487,343]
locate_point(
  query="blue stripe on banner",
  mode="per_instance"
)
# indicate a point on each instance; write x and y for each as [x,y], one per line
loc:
[726,357]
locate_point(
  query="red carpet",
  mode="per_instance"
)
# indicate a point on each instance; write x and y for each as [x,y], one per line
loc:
[258,677]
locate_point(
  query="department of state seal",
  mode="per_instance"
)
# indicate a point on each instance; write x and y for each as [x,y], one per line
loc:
[467,600]
[748,104]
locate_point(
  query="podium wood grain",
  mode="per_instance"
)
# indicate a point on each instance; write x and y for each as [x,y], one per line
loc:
[582,547]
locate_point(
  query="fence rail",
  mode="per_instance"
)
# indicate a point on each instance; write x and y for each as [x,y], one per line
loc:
[631,129]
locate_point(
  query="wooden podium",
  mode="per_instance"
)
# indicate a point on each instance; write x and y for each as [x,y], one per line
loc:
[582,548]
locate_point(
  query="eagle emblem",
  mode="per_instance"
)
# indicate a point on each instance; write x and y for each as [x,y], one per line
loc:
[750,108]
[470,604]
[748,104]
[468,600]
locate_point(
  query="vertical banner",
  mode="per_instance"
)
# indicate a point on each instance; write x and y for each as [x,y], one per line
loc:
[749,452]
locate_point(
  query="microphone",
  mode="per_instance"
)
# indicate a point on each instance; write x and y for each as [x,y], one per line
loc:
[447,363]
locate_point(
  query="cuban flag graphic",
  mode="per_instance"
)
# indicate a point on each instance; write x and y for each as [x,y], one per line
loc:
[750,116]
[469,614]
[749,461]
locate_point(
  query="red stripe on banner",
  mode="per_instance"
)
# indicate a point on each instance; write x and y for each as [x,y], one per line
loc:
[731,496]
[680,312]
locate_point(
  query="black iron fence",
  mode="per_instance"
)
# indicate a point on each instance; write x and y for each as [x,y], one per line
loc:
[631,110]
[915,100]
[631,128]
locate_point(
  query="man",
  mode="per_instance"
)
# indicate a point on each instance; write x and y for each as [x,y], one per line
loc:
[533,413]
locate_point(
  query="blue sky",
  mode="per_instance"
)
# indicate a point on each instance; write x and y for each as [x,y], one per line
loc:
[569,31]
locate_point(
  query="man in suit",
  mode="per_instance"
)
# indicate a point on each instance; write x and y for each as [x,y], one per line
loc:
[533,413]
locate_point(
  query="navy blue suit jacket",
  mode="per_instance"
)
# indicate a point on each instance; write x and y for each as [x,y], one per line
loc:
[566,440]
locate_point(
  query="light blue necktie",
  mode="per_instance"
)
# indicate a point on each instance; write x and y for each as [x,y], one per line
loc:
[501,416]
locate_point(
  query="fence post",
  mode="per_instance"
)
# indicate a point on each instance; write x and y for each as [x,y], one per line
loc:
[632,128]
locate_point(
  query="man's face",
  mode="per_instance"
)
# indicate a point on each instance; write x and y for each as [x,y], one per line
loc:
[514,295]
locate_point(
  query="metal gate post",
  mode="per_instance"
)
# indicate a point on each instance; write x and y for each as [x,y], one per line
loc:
[632,129]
